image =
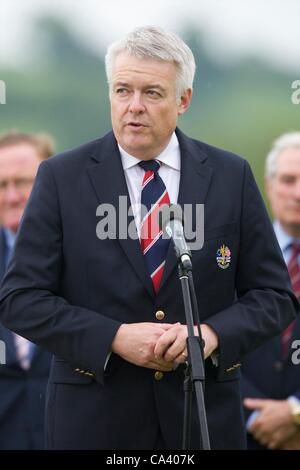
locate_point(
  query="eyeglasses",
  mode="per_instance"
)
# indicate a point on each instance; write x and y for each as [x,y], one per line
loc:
[21,184]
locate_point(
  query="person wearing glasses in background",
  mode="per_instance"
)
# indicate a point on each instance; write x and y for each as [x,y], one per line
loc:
[24,375]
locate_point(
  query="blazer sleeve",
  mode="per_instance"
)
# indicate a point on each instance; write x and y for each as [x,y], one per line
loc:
[265,303]
[30,303]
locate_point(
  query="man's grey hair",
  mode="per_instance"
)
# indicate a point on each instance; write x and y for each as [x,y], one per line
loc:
[151,42]
[285,141]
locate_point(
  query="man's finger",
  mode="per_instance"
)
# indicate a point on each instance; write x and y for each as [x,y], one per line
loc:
[182,357]
[176,350]
[163,343]
[254,403]
[161,367]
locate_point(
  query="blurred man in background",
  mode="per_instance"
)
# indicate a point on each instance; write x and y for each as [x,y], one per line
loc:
[271,379]
[24,377]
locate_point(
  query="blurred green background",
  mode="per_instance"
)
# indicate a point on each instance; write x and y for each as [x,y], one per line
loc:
[241,106]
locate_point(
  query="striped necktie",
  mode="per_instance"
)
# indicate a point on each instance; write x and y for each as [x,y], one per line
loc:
[154,246]
[294,272]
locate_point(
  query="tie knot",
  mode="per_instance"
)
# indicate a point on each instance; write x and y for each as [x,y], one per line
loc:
[150,165]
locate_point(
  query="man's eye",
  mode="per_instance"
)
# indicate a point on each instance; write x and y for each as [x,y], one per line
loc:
[121,91]
[288,179]
[153,93]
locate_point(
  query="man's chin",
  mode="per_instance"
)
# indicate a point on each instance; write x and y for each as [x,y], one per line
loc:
[136,147]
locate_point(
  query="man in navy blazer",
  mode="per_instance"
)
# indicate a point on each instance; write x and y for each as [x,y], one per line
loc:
[22,382]
[271,375]
[90,299]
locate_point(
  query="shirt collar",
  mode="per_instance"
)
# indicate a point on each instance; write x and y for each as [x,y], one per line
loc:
[169,156]
[10,238]
[284,239]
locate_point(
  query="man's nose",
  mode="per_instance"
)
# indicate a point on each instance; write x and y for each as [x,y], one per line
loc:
[12,194]
[296,191]
[136,105]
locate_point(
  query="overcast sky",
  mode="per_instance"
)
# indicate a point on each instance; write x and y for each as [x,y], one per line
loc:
[269,29]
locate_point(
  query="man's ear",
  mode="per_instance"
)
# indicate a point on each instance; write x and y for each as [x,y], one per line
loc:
[185,101]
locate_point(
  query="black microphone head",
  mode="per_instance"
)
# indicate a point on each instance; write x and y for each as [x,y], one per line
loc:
[169,212]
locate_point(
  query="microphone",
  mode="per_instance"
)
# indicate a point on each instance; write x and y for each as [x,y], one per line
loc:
[170,220]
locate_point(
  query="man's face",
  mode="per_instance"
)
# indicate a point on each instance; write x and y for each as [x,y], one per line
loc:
[144,109]
[18,168]
[284,191]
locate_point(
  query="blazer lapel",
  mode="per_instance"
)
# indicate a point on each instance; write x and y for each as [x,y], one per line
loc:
[195,178]
[108,180]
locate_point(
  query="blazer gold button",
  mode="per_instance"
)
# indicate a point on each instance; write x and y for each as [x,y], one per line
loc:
[160,315]
[158,375]
[278,366]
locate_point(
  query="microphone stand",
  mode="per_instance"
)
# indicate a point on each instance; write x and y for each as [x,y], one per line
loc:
[194,372]
[170,220]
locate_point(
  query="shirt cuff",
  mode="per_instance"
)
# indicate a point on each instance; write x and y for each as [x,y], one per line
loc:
[294,399]
[252,418]
[215,358]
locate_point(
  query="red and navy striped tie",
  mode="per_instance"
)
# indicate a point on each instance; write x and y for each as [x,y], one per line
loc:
[154,246]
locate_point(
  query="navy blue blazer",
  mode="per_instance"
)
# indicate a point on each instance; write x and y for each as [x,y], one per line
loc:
[69,291]
[22,392]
